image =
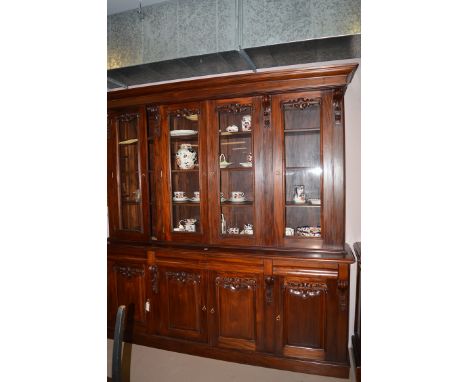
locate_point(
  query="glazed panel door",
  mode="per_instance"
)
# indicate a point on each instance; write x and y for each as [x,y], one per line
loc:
[236,310]
[127,172]
[308,154]
[235,174]
[183,175]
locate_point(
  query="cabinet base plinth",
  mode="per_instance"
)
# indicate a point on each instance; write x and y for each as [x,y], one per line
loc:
[324,368]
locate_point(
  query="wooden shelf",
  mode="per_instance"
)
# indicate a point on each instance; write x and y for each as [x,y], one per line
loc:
[236,168]
[187,171]
[314,129]
[134,202]
[226,134]
[299,168]
[194,204]
[292,204]
[193,137]
[235,204]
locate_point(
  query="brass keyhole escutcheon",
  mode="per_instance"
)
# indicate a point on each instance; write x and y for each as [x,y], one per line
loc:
[212,311]
[204,308]
[278,317]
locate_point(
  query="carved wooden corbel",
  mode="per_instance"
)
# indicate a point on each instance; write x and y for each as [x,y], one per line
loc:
[266,102]
[154,278]
[342,294]
[153,114]
[269,285]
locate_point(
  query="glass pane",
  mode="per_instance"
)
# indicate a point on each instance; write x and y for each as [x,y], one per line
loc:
[303,172]
[129,174]
[185,174]
[237,167]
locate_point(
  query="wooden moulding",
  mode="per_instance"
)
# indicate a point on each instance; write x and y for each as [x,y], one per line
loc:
[235,85]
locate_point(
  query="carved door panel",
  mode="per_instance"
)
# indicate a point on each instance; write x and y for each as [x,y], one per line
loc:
[236,310]
[127,287]
[182,303]
[302,318]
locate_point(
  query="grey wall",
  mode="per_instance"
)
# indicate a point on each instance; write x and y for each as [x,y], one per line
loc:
[183,28]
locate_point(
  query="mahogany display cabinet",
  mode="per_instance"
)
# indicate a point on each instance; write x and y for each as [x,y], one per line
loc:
[226,200]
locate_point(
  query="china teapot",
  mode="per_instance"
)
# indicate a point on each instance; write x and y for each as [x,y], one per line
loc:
[186,157]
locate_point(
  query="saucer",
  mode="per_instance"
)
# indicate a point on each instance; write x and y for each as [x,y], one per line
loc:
[180,199]
[181,133]
[178,230]
[246,164]
[194,200]
[225,164]
[223,200]
[299,202]
[238,200]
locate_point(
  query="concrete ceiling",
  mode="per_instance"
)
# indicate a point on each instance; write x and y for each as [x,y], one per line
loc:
[117,6]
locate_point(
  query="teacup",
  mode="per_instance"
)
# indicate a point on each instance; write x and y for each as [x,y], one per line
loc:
[237,195]
[289,231]
[232,129]
[233,231]
[196,195]
[248,229]
[179,194]
[246,122]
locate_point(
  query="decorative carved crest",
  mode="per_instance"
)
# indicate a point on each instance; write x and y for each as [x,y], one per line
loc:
[301,103]
[179,113]
[235,108]
[266,102]
[184,277]
[236,283]
[342,292]
[154,278]
[127,117]
[306,290]
[269,284]
[128,272]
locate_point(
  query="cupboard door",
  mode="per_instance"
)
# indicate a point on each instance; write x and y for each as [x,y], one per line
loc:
[235,135]
[126,283]
[302,318]
[309,170]
[236,311]
[128,191]
[182,303]
[184,199]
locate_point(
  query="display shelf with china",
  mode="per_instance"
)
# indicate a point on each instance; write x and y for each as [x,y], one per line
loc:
[233,132]
[183,191]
